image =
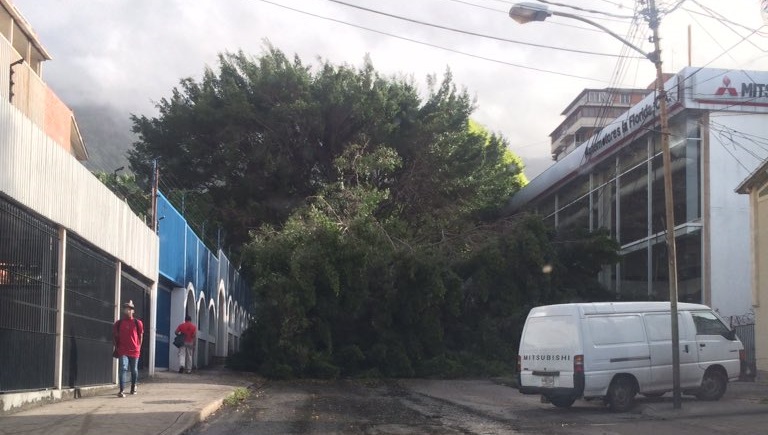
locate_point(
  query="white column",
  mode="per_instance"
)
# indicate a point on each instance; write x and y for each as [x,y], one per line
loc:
[118,303]
[62,266]
[178,311]
[153,327]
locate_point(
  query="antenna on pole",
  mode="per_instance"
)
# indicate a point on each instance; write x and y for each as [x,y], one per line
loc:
[690,47]
[155,190]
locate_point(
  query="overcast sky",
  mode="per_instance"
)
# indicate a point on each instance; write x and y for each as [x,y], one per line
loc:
[128,53]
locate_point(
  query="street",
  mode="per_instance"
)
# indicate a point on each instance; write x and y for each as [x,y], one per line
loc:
[470,407]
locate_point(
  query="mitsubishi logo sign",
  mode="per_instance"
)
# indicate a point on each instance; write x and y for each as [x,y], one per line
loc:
[726,88]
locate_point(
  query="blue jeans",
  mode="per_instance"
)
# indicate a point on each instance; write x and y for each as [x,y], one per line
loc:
[127,362]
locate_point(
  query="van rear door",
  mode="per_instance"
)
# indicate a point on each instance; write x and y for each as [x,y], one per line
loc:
[547,350]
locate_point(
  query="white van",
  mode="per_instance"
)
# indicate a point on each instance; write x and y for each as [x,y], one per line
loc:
[614,351]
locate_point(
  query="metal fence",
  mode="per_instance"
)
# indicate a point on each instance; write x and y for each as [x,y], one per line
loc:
[744,326]
[29,252]
[89,312]
[131,290]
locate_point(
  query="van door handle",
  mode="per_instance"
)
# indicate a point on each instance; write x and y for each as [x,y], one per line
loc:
[702,345]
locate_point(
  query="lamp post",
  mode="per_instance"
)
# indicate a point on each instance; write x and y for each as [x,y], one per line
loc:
[528,12]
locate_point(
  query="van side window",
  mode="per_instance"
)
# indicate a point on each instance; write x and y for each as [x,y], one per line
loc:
[659,326]
[608,330]
[709,324]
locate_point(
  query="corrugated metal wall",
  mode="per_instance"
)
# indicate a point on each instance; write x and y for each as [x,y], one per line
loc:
[39,172]
[42,176]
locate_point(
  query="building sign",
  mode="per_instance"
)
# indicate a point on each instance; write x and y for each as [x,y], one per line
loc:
[729,87]
[638,117]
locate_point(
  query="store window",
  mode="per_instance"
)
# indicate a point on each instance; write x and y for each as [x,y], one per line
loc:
[686,186]
[604,207]
[689,269]
[575,216]
[634,275]
[633,210]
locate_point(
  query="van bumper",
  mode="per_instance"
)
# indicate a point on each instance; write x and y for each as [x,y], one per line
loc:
[576,391]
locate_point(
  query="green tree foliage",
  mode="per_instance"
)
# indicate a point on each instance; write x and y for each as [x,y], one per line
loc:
[346,288]
[260,135]
[129,189]
[370,213]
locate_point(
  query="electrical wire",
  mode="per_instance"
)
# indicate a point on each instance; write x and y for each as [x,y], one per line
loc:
[468,32]
[428,44]
[590,11]
[673,8]
[590,29]
[718,17]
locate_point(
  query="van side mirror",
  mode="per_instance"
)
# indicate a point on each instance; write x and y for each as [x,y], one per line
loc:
[730,335]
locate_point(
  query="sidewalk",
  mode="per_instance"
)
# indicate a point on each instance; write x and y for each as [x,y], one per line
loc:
[742,398]
[169,403]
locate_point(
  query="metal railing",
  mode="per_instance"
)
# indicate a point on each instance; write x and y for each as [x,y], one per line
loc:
[89,312]
[29,256]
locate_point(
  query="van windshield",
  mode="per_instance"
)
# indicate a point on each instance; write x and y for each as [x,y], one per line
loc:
[551,332]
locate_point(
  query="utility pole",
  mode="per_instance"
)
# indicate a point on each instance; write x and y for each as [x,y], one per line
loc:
[654,21]
[155,190]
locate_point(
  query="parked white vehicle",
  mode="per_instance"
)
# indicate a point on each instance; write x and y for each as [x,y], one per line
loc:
[614,351]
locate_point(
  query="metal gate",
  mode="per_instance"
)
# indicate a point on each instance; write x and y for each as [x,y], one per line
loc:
[744,326]
[29,254]
[89,312]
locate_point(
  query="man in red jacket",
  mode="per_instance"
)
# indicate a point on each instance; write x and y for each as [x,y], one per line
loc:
[190,333]
[128,334]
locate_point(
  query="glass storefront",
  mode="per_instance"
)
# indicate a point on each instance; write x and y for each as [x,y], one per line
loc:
[637,218]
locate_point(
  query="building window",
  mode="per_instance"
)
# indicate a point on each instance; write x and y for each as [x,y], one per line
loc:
[686,186]
[597,97]
[634,275]
[689,271]
[633,211]
[625,98]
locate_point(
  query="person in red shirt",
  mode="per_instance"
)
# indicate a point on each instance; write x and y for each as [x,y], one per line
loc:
[190,333]
[128,335]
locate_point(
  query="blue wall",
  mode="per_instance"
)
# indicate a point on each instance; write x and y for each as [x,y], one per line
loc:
[185,259]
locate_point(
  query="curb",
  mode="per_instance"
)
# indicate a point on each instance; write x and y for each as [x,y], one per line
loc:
[684,414]
[199,416]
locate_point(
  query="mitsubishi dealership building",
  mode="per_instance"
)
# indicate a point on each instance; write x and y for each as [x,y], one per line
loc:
[614,180]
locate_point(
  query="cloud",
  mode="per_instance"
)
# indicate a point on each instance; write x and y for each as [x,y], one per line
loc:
[128,53]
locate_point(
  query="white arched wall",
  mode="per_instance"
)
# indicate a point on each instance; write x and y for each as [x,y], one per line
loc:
[183,303]
[221,311]
[202,326]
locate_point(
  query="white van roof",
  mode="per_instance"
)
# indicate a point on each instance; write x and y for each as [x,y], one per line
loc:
[611,308]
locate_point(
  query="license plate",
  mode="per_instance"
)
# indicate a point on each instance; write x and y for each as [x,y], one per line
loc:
[547,381]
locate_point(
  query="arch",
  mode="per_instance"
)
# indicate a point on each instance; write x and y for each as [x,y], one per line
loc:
[190,305]
[230,311]
[202,323]
[221,324]
[211,326]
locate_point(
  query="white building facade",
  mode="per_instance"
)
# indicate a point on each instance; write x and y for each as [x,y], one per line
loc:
[614,181]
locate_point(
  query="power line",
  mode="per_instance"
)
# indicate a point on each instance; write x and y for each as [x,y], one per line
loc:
[428,44]
[718,17]
[487,8]
[674,8]
[467,32]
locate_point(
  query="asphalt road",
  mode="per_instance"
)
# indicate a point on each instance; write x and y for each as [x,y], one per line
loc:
[468,407]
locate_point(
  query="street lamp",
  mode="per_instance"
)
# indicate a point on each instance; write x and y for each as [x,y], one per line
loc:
[528,12]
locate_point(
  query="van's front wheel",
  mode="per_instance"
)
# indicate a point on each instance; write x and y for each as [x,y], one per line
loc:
[562,401]
[621,394]
[713,385]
